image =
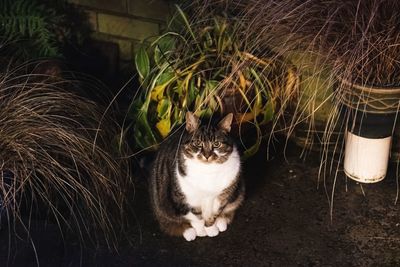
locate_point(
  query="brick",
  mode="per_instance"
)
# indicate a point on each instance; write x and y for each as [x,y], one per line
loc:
[92,18]
[109,5]
[126,27]
[127,67]
[125,46]
[125,49]
[154,9]
[136,46]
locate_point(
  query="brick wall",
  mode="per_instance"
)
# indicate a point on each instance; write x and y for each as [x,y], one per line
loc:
[125,22]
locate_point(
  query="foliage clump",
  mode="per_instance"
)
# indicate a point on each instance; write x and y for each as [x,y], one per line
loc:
[202,65]
[32,29]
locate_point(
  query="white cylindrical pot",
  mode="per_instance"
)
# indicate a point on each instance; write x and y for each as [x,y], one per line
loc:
[366,159]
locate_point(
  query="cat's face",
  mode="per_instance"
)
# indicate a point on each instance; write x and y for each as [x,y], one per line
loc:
[208,143]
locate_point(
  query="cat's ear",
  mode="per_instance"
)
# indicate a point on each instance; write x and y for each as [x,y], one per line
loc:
[226,123]
[192,122]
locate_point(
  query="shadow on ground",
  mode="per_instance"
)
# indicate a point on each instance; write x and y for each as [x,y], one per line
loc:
[285,221]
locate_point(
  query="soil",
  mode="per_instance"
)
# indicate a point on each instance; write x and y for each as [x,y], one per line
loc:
[285,220]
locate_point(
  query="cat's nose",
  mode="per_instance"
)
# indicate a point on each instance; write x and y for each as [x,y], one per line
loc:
[207,156]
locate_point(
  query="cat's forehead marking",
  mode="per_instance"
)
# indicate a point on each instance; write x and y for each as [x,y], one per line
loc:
[208,133]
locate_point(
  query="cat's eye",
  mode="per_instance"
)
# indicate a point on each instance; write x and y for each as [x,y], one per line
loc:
[217,144]
[197,143]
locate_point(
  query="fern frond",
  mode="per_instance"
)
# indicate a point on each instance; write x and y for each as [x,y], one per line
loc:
[32,24]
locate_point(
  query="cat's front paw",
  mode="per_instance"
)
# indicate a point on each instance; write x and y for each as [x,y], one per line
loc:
[212,231]
[189,234]
[198,225]
[221,224]
[200,231]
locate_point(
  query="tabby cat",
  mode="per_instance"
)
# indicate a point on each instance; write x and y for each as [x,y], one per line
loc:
[195,183]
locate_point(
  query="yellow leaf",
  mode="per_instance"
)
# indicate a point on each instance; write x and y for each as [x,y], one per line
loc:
[158,91]
[164,127]
[242,81]
[292,84]
[186,81]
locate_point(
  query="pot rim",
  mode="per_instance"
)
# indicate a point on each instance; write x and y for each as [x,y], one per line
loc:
[370,88]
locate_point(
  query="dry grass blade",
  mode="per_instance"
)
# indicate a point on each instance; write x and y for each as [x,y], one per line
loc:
[353,41]
[57,150]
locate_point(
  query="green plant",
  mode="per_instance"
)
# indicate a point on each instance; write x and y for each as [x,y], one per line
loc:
[38,28]
[203,67]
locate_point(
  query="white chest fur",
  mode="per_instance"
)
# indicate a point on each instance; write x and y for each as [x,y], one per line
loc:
[205,181]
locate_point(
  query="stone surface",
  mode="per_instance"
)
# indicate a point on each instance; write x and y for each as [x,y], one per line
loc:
[111,5]
[155,9]
[125,45]
[125,22]
[126,27]
[125,48]
[284,221]
[92,18]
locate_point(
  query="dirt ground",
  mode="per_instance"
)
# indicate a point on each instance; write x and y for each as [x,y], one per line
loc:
[284,221]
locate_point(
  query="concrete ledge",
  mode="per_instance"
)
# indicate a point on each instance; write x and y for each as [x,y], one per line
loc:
[126,27]
[154,9]
[111,5]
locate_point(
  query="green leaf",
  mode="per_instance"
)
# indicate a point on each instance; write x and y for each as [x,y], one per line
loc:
[213,104]
[188,27]
[143,127]
[152,85]
[162,82]
[183,86]
[211,86]
[192,93]
[164,108]
[204,113]
[269,111]
[164,47]
[178,116]
[142,63]
[142,140]
[254,148]
[134,107]
[166,76]
[208,42]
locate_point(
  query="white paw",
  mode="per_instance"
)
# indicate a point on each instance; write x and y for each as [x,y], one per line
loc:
[200,231]
[212,230]
[198,225]
[189,234]
[221,224]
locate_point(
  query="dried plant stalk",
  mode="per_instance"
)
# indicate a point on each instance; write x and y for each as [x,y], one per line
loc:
[57,150]
[354,41]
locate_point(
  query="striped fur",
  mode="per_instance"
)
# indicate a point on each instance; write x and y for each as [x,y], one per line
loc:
[195,180]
